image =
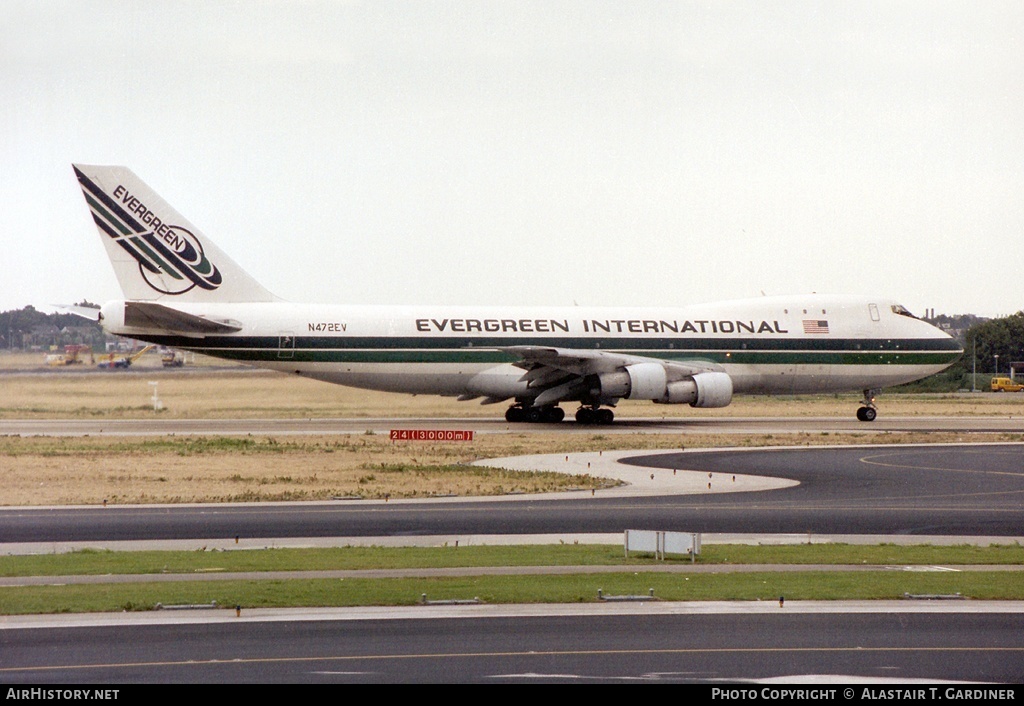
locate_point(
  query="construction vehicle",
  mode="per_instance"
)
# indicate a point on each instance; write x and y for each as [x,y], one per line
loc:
[172,358]
[1006,385]
[125,361]
[74,354]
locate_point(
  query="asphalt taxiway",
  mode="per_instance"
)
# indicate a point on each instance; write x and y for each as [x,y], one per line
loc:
[955,490]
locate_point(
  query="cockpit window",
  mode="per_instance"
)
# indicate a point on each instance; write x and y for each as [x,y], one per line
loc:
[902,311]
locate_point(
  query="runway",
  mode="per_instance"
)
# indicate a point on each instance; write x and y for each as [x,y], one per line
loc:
[886,644]
[359,425]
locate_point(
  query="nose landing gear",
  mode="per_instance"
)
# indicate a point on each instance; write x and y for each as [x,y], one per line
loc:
[868,412]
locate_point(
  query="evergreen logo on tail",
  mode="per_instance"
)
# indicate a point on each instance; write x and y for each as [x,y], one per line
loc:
[170,257]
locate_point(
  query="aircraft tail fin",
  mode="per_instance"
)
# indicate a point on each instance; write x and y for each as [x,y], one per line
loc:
[155,251]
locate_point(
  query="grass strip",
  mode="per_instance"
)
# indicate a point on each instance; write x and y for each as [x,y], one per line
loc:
[577,588]
[99,562]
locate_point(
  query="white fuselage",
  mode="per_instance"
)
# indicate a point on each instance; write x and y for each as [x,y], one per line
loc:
[766,345]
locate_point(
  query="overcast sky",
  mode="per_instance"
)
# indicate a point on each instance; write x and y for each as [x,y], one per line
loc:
[619,153]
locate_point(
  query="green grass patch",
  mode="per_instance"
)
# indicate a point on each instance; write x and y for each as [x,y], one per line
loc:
[577,588]
[99,562]
[844,583]
[880,554]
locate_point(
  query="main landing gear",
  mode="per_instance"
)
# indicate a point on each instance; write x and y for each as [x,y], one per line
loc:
[868,412]
[553,414]
[548,415]
[594,415]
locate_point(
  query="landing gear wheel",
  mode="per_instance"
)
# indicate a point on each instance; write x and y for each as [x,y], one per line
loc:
[588,415]
[515,415]
[553,415]
[533,415]
[867,414]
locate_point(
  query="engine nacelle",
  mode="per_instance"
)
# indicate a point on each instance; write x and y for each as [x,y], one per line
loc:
[713,390]
[649,381]
[643,381]
[500,382]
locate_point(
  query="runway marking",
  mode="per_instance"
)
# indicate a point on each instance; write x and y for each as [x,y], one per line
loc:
[522,653]
[870,461]
[342,674]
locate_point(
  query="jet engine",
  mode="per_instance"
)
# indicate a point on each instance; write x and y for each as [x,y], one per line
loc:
[650,381]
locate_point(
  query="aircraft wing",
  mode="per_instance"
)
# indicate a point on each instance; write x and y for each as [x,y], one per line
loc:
[559,373]
[594,362]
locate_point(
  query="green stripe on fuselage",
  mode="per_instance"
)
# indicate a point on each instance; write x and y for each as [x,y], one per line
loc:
[448,350]
[640,346]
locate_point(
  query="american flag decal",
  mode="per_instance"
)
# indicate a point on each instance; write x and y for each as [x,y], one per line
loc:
[815,326]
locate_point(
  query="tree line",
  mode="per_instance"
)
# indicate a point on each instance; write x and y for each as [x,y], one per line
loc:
[995,342]
[30,329]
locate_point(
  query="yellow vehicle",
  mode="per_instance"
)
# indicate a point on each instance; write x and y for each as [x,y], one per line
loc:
[1006,385]
[172,359]
[73,355]
[126,361]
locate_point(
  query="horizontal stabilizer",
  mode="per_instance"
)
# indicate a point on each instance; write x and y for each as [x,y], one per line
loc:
[149,315]
[86,312]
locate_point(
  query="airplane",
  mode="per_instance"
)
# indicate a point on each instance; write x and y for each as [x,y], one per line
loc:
[182,291]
